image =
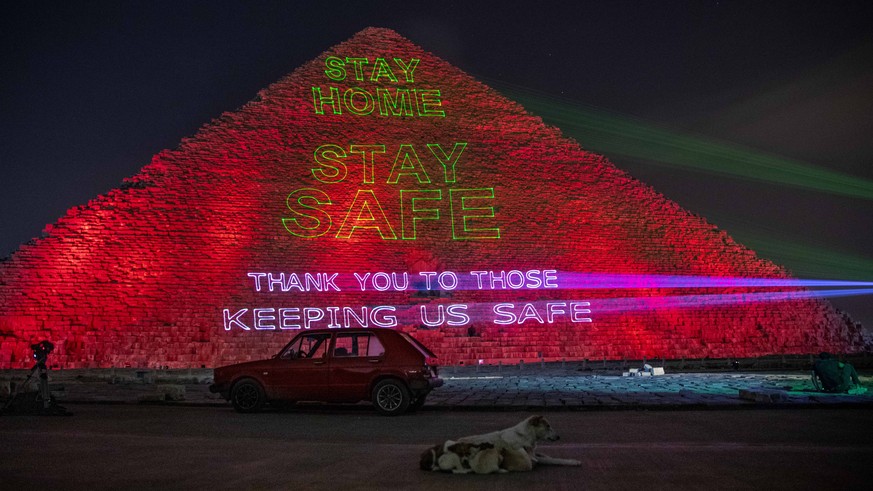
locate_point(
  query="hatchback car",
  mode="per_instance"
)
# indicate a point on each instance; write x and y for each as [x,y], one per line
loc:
[390,368]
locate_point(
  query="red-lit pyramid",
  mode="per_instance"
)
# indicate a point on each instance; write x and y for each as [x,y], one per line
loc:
[378,157]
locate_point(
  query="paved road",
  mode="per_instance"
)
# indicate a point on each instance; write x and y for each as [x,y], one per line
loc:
[552,387]
[149,447]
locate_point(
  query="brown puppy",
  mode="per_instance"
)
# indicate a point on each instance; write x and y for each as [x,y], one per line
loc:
[445,458]
[483,458]
[462,458]
[516,460]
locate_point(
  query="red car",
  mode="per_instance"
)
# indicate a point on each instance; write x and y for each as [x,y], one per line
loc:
[390,368]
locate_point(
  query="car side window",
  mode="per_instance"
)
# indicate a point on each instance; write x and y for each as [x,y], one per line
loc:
[374,346]
[318,346]
[309,346]
[345,345]
[351,345]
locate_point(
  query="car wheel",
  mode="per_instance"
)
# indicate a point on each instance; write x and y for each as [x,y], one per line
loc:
[247,396]
[391,397]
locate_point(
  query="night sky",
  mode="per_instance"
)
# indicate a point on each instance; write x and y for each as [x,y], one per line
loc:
[91,90]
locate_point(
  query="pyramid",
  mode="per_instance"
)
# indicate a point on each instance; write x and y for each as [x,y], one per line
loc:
[378,185]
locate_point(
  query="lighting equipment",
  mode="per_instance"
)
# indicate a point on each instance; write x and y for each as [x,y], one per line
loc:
[41,350]
[41,401]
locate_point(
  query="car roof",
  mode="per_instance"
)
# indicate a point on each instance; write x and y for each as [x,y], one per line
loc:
[382,331]
[347,329]
[407,338]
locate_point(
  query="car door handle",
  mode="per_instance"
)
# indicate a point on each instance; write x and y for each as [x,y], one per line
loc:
[374,361]
[318,363]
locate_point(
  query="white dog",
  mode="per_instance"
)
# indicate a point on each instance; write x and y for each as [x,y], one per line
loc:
[517,444]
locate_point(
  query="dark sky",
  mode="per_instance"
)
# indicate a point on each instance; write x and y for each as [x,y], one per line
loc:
[89,91]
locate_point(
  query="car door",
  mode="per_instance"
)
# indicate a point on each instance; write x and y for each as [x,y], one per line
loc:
[357,359]
[300,372]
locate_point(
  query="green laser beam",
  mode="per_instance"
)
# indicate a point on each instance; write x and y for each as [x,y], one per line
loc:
[806,260]
[615,134]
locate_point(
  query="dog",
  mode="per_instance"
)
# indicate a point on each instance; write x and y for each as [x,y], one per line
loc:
[484,458]
[517,444]
[481,458]
[445,457]
[462,458]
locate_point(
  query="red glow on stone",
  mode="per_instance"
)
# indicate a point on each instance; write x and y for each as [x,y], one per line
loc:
[139,276]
